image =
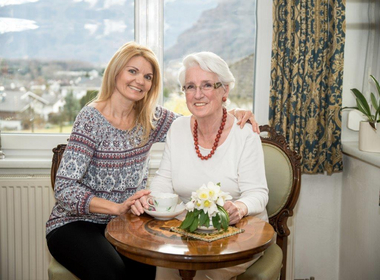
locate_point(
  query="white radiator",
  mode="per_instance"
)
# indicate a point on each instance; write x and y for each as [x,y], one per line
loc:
[25,206]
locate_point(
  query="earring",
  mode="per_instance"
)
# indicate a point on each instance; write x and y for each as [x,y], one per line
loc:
[224,99]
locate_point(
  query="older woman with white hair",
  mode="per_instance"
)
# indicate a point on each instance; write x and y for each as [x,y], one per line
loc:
[208,146]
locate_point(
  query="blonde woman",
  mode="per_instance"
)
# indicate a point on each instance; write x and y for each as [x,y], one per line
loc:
[105,166]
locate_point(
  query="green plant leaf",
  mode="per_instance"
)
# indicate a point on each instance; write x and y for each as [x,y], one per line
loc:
[374,101]
[362,109]
[377,84]
[361,102]
[216,222]
[224,217]
[204,219]
[223,209]
[223,220]
[347,107]
[373,125]
[377,114]
[194,225]
[187,221]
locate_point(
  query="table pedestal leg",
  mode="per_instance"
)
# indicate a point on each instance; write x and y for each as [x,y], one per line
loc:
[187,274]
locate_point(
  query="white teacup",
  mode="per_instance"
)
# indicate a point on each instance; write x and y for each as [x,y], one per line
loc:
[162,202]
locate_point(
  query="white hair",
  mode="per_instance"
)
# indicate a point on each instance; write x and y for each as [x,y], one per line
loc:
[210,62]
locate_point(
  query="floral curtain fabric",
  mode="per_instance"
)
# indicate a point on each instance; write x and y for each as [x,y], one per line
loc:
[306,80]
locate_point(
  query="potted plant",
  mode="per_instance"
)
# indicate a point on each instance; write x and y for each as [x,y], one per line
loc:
[369,135]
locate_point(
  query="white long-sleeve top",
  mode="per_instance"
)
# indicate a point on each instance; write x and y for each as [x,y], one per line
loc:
[238,164]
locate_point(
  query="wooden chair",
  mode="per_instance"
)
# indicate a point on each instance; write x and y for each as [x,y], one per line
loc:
[56,271]
[57,157]
[283,173]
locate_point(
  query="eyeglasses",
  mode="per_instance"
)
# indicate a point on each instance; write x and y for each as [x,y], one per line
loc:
[204,87]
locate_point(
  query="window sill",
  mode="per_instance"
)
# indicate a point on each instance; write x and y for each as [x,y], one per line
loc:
[25,162]
[32,162]
[351,148]
[41,159]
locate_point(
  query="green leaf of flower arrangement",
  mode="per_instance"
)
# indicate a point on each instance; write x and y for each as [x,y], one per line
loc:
[216,222]
[204,219]
[223,220]
[194,225]
[224,217]
[186,223]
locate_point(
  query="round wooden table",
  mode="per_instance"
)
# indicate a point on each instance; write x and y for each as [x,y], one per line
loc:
[150,241]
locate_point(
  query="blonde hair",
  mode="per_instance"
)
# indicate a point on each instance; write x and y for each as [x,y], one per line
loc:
[145,108]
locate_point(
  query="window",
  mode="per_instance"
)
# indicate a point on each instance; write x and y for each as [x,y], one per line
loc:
[52,57]
[57,46]
[362,54]
[227,28]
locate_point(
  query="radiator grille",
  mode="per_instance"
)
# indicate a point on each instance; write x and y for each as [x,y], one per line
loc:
[25,205]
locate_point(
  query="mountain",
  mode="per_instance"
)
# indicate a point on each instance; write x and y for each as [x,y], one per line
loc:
[227,30]
[92,30]
[67,30]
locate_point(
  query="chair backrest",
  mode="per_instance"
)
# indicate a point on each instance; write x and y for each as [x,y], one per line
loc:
[57,156]
[283,173]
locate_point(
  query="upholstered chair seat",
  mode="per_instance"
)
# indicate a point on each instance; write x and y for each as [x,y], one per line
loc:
[56,271]
[268,267]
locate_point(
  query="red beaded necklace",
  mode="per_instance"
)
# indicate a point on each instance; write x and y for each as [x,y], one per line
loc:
[195,135]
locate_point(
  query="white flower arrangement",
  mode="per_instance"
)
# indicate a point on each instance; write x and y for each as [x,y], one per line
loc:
[205,205]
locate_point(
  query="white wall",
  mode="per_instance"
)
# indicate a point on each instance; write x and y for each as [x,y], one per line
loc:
[360,221]
[317,219]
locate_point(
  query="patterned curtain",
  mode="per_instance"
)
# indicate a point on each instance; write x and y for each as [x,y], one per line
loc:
[306,80]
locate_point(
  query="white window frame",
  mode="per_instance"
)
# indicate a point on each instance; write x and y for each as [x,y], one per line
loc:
[31,151]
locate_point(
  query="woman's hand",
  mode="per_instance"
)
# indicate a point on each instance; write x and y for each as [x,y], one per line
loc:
[130,202]
[244,116]
[140,204]
[236,210]
[104,206]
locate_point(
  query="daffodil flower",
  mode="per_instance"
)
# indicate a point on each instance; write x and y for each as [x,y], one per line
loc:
[206,207]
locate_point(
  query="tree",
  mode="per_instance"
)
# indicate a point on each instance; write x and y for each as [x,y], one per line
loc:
[90,95]
[71,107]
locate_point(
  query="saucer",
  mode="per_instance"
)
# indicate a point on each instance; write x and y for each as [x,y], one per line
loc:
[165,215]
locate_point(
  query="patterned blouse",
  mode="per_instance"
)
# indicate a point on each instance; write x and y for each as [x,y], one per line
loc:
[103,161]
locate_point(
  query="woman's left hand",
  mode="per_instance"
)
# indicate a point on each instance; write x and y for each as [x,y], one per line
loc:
[244,116]
[128,204]
[236,210]
[140,204]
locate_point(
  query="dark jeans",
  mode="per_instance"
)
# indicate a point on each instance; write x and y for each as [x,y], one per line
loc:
[82,248]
